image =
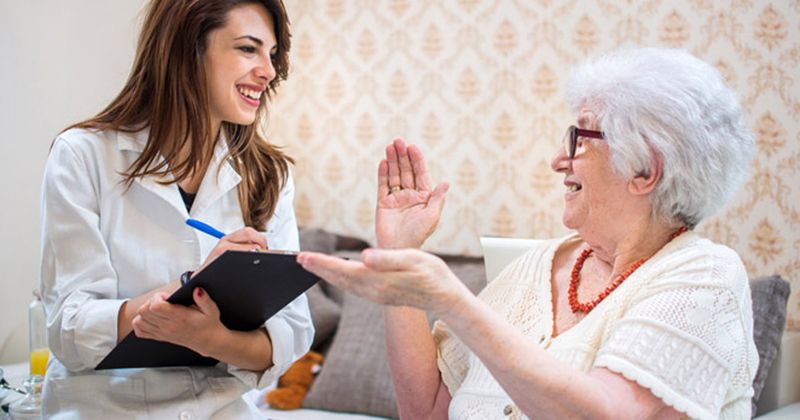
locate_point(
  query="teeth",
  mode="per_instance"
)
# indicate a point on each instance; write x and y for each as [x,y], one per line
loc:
[572,188]
[252,94]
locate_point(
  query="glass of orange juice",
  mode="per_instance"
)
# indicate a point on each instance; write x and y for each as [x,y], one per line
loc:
[30,406]
[39,361]
[37,323]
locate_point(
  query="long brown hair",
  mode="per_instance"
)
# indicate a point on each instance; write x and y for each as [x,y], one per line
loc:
[166,91]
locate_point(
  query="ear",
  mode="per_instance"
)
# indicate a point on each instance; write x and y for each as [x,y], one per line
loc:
[645,181]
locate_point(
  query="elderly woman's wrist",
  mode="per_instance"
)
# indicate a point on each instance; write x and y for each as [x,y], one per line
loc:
[399,244]
[451,303]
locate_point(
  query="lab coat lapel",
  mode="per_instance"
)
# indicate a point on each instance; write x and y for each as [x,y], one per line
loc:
[219,179]
[135,142]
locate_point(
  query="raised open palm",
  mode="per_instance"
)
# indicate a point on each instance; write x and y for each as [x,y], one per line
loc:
[408,208]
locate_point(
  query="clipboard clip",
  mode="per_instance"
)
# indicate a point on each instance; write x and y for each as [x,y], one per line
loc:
[276,251]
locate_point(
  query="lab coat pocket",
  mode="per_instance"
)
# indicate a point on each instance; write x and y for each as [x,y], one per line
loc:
[99,397]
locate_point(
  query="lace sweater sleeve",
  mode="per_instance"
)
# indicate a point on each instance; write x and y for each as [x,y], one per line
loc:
[451,357]
[687,335]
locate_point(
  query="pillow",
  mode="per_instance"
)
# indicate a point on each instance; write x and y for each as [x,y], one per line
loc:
[355,376]
[325,314]
[769,296]
[325,306]
[317,240]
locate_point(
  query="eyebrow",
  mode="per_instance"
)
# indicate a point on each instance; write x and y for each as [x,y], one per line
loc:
[252,38]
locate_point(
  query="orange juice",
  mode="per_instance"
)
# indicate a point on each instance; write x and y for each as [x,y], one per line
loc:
[39,361]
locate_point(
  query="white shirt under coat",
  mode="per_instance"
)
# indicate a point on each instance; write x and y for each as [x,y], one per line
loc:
[102,245]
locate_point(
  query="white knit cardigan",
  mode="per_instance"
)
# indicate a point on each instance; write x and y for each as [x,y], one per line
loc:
[681,325]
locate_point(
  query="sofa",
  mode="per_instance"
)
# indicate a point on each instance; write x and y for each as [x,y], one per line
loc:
[354,381]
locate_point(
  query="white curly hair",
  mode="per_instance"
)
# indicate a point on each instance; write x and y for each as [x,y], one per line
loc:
[668,102]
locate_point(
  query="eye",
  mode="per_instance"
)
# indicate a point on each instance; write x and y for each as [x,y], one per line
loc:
[247,49]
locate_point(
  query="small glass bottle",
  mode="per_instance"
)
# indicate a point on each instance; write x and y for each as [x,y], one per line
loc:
[37,322]
[30,406]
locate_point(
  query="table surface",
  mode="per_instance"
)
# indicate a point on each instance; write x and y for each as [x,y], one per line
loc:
[17,373]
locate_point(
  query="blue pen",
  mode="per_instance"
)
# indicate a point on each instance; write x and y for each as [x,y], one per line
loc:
[204,228]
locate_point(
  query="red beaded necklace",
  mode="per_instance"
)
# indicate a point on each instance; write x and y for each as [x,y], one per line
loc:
[575,278]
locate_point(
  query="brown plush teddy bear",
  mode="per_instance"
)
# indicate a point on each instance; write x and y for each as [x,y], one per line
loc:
[294,384]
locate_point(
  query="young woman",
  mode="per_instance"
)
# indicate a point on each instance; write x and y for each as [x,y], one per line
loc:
[181,140]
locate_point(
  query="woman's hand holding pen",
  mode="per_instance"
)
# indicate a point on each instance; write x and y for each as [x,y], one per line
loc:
[245,239]
[191,326]
[408,207]
[198,327]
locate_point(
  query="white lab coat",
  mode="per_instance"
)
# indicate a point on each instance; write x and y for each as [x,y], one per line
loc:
[102,245]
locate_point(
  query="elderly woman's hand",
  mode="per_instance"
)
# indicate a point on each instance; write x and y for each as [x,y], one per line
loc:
[408,208]
[405,277]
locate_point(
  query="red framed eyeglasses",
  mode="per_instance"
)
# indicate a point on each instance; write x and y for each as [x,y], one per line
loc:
[570,140]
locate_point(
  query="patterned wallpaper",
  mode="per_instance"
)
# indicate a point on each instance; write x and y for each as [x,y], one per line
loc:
[479,84]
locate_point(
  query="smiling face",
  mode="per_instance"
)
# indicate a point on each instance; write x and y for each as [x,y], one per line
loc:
[238,62]
[597,199]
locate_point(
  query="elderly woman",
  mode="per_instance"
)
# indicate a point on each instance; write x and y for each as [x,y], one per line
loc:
[632,316]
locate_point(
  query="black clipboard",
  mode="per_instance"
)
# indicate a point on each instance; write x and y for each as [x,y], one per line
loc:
[248,288]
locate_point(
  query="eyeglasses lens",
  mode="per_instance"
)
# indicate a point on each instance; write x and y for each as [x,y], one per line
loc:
[569,142]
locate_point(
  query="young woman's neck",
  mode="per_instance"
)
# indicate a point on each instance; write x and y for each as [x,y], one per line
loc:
[191,183]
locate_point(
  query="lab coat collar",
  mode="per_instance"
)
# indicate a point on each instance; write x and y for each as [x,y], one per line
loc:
[133,141]
[219,179]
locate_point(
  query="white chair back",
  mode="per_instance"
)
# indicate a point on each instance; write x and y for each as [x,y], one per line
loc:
[499,252]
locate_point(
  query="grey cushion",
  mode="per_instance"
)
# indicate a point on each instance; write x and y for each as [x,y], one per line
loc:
[324,303]
[769,317]
[355,376]
[325,315]
[317,240]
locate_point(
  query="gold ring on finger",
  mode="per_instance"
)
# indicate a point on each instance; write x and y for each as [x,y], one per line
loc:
[395,188]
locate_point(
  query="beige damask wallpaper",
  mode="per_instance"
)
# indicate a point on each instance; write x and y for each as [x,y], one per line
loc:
[479,84]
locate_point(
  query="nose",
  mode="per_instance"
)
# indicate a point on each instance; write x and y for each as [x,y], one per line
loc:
[265,70]
[560,162]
